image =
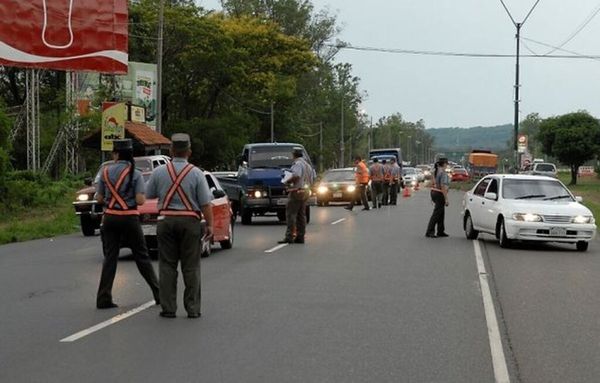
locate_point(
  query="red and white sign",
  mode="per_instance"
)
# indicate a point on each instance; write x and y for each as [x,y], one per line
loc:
[522,143]
[81,35]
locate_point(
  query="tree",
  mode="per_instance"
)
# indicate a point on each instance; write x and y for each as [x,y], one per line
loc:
[4,146]
[572,138]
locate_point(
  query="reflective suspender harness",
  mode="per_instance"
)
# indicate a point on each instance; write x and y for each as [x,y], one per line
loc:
[176,188]
[116,197]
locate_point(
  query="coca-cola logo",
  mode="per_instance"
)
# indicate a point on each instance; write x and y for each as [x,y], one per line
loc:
[65,34]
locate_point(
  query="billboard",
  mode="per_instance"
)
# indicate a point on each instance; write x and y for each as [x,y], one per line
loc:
[522,143]
[137,87]
[113,124]
[78,35]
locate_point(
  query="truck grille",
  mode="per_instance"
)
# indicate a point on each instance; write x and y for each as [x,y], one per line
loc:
[557,218]
[277,192]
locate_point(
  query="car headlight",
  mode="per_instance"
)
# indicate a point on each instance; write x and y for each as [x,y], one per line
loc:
[322,189]
[351,189]
[527,217]
[583,219]
[258,193]
[83,197]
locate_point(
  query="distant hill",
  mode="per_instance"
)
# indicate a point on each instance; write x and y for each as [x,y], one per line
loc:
[464,139]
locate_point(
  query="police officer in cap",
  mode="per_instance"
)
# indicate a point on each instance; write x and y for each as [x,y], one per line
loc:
[298,194]
[121,189]
[183,199]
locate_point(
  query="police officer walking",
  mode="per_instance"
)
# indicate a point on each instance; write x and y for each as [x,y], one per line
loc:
[396,174]
[121,189]
[182,192]
[376,171]
[439,196]
[298,194]
[387,180]
[361,176]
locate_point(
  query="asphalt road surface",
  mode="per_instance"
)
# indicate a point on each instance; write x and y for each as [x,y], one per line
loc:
[367,299]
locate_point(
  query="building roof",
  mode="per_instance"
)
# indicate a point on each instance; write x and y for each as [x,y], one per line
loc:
[144,138]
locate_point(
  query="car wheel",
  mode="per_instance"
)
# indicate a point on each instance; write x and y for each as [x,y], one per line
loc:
[228,244]
[246,216]
[281,215]
[582,246]
[470,232]
[502,239]
[88,226]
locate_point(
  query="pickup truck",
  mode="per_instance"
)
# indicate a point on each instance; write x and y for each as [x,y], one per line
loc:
[256,188]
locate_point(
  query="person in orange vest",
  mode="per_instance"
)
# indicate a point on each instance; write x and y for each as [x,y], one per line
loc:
[387,180]
[376,171]
[121,189]
[439,196]
[361,176]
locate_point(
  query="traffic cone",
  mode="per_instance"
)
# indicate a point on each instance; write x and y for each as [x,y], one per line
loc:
[406,191]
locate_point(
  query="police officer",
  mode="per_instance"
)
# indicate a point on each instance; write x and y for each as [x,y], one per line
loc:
[396,173]
[121,189]
[387,180]
[439,196]
[376,171]
[298,195]
[182,192]
[361,176]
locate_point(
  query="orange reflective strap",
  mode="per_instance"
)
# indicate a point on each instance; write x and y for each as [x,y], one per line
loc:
[176,188]
[114,189]
[122,212]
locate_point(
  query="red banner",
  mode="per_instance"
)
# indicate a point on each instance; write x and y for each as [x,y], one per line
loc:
[82,35]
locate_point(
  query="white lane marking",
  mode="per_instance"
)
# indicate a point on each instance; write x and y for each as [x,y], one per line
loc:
[498,358]
[338,221]
[280,246]
[107,323]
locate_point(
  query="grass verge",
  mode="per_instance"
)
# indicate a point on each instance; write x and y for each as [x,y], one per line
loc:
[42,222]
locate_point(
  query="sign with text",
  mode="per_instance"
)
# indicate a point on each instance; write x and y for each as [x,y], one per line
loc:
[113,124]
[522,143]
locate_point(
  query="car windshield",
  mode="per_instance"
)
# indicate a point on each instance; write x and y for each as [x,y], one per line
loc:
[339,176]
[271,156]
[534,189]
[544,168]
[406,171]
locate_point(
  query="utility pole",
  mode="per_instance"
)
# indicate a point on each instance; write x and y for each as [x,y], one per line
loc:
[272,122]
[342,132]
[159,59]
[321,147]
[518,26]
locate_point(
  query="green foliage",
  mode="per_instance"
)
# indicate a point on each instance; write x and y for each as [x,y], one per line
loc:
[571,138]
[5,124]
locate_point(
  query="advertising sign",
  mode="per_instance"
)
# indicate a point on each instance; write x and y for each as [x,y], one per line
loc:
[113,124]
[78,35]
[522,143]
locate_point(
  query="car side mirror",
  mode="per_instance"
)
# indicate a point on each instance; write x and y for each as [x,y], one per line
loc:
[219,193]
[579,199]
[492,196]
[88,181]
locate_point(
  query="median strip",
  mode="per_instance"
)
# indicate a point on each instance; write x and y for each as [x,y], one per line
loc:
[107,323]
[496,348]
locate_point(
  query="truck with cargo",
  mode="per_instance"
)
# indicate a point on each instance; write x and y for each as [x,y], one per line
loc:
[482,163]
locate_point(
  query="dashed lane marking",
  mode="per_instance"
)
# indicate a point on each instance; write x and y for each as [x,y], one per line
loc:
[107,323]
[338,221]
[497,350]
[274,249]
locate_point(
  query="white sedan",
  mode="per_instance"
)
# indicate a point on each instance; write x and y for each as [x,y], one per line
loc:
[527,208]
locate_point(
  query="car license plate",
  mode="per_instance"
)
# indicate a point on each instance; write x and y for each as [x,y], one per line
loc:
[149,229]
[558,232]
[337,195]
[282,201]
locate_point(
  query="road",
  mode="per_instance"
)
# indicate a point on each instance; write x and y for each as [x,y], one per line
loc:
[367,299]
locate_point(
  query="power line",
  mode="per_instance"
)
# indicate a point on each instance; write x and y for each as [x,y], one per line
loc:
[573,53]
[244,105]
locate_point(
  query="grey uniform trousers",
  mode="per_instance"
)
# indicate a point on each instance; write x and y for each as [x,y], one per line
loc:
[123,231]
[295,215]
[179,240]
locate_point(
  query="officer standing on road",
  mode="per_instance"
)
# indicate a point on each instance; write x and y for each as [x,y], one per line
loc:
[182,192]
[439,196]
[396,173]
[361,175]
[387,180]
[376,171]
[298,194]
[121,188]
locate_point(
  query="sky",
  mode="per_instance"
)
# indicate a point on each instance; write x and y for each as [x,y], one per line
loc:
[464,92]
